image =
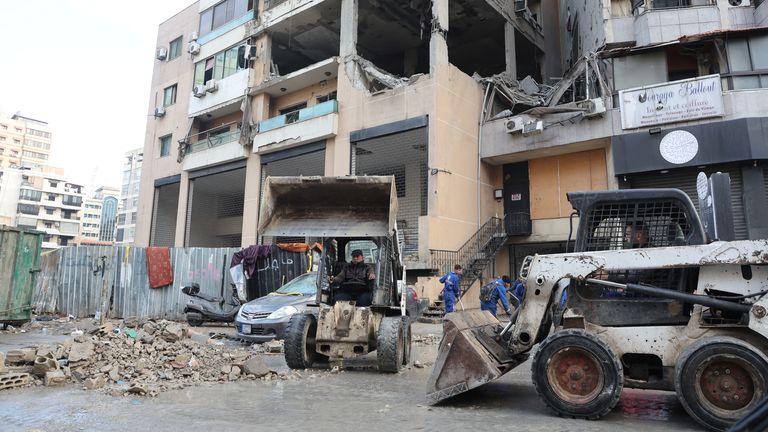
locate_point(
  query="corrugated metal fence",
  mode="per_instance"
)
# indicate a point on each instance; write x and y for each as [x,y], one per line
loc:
[71,279]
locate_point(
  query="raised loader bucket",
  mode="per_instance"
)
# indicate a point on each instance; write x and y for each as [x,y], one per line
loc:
[469,355]
[362,206]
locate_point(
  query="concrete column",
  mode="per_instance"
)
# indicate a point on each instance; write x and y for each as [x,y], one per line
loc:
[438,45]
[510,49]
[260,71]
[348,36]
[251,200]
[181,213]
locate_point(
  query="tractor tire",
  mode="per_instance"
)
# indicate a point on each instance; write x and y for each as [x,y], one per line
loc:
[390,344]
[719,380]
[406,341]
[194,319]
[299,345]
[577,375]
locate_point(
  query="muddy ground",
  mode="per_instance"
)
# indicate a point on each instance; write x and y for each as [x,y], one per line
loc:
[354,399]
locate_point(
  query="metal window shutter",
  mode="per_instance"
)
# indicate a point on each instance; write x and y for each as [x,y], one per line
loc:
[685,180]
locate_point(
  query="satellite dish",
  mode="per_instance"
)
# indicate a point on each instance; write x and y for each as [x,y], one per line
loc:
[702,186]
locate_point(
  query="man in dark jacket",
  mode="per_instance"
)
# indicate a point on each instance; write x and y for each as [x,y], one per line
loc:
[451,289]
[355,281]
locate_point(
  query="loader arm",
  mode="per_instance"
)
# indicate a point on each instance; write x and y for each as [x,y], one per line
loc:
[475,349]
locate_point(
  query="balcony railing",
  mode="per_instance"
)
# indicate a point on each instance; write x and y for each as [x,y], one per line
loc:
[315,111]
[677,4]
[213,141]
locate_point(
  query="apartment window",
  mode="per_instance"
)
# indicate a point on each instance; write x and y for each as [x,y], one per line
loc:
[47,238]
[53,184]
[51,197]
[29,209]
[3,126]
[292,113]
[220,65]
[165,146]
[174,50]
[49,211]
[222,13]
[63,241]
[16,141]
[36,155]
[19,130]
[325,98]
[2,138]
[169,95]
[30,195]
[48,224]
[38,133]
[748,62]
[72,201]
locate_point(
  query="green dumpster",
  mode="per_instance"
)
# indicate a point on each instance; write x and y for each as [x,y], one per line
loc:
[19,264]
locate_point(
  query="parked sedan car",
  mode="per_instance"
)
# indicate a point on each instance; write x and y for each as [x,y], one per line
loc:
[266,318]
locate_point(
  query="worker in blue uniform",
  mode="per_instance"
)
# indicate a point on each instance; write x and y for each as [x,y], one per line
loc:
[498,294]
[451,289]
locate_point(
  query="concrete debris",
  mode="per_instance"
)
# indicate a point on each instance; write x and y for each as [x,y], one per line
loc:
[367,76]
[55,378]
[158,357]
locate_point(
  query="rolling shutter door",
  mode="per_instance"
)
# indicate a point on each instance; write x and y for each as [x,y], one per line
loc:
[685,180]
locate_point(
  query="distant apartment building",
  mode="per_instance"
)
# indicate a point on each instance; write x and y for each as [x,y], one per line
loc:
[100,217]
[24,141]
[129,197]
[42,200]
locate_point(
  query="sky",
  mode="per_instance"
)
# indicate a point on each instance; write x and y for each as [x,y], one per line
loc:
[85,67]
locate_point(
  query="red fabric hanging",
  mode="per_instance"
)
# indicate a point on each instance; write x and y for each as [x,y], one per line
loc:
[159,267]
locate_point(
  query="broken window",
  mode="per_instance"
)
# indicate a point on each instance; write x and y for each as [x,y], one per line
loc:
[476,38]
[394,35]
[308,37]
[220,65]
[292,113]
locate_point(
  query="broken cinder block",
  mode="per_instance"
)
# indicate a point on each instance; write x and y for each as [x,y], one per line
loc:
[54,378]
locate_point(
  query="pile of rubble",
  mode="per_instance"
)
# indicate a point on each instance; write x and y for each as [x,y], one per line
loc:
[142,358]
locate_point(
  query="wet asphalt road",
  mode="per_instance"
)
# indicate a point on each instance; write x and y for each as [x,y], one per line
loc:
[357,399]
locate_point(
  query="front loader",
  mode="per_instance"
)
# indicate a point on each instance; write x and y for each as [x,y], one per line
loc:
[649,305]
[343,214]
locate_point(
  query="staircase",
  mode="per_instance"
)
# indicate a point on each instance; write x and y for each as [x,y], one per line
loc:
[473,256]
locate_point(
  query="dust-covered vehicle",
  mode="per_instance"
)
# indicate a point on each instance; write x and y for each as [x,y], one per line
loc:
[344,214]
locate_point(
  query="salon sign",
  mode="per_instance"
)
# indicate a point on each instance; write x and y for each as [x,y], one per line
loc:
[671,102]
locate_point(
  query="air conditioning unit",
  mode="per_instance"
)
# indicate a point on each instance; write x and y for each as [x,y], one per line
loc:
[193,37]
[593,107]
[533,128]
[211,86]
[198,91]
[161,54]
[250,52]
[739,2]
[193,48]
[159,112]
[514,124]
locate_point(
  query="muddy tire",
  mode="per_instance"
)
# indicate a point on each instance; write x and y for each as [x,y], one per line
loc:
[390,346]
[577,375]
[406,341]
[299,344]
[194,319]
[719,380]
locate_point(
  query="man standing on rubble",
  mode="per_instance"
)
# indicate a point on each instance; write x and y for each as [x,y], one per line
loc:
[355,281]
[451,289]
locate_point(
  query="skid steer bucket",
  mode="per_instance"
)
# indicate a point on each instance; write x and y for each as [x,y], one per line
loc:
[320,206]
[469,355]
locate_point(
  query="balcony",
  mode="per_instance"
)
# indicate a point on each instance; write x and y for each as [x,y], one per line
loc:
[213,150]
[299,127]
[224,100]
[669,20]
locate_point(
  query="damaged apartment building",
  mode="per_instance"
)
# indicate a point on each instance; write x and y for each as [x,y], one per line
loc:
[654,92]
[243,90]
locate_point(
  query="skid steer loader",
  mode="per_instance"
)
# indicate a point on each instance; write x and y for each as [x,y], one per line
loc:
[650,305]
[344,214]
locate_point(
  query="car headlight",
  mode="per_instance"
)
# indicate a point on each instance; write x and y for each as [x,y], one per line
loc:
[283,312]
[240,313]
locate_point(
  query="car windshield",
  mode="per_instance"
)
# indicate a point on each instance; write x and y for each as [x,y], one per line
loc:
[304,285]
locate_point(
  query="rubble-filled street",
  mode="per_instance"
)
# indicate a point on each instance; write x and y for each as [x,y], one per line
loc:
[148,376]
